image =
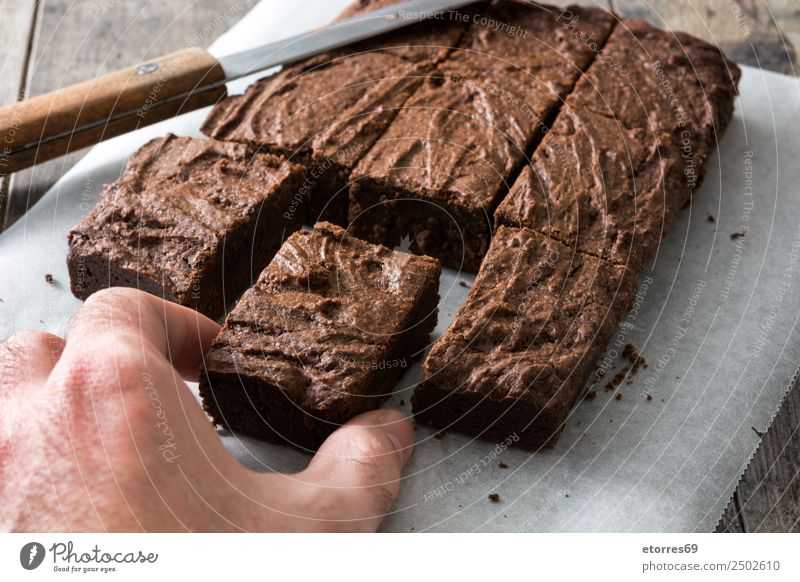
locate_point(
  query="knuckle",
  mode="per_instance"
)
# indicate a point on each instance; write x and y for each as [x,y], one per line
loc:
[18,349]
[101,364]
[368,445]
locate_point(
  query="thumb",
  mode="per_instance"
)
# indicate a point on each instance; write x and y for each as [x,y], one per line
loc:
[355,474]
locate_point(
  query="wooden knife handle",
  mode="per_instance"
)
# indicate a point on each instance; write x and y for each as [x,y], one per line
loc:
[51,125]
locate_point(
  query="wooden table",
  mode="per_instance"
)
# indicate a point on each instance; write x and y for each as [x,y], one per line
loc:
[52,43]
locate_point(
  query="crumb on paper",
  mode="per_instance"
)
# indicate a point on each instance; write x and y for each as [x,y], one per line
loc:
[439,435]
[648,397]
[591,395]
[494,497]
[632,355]
[616,380]
[711,219]
[49,279]
[618,396]
[738,235]
[463,284]
[502,465]
[402,402]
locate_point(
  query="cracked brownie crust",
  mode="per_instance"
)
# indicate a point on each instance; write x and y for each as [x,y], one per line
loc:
[321,337]
[441,168]
[190,220]
[324,113]
[523,343]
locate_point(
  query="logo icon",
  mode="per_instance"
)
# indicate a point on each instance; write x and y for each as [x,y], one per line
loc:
[31,555]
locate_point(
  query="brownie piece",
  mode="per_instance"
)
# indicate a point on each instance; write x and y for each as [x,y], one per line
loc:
[441,168]
[438,171]
[524,342]
[428,42]
[600,187]
[666,82]
[323,113]
[321,337]
[191,220]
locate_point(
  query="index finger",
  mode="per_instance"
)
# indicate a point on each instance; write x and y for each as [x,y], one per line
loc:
[181,334]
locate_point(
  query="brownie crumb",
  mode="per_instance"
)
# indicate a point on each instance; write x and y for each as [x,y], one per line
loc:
[648,397]
[402,402]
[711,219]
[49,279]
[618,396]
[494,497]
[738,235]
[439,435]
[616,380]
[633,356]
[591,395]
[463,284]
[502,466]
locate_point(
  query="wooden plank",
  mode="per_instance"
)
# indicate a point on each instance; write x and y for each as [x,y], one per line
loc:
[76,40]
[16,33]
[761,33]
[769,492]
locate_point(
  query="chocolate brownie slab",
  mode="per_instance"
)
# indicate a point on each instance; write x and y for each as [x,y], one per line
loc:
[600,187]
[324,113]
[190,220]
[524,342]
[443,165]
[321,337]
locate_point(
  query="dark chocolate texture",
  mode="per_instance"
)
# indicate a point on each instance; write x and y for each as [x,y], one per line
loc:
[324,113]
[517,356]
[449,157]
[322,336]
[191,220]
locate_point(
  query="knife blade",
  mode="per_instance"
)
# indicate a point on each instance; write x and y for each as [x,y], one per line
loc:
[51,125]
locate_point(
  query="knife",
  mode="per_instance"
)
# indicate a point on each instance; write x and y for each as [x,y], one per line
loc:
[51,125]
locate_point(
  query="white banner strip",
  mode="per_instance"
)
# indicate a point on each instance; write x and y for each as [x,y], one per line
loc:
[353,558]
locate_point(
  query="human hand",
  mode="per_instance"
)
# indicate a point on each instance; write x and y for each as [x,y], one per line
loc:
[100,433]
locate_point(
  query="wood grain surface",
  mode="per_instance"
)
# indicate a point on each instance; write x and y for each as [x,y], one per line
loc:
[48,44]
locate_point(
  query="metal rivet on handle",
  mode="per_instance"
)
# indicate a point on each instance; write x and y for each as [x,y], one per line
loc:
[148,68]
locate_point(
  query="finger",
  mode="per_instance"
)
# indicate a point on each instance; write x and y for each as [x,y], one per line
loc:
[28,357]
[355,475]
[179,333]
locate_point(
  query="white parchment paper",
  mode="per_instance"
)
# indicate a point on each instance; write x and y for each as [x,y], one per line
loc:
[716,319]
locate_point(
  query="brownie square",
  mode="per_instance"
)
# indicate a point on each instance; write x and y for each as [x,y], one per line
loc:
[190,220]
[524,342]
[323,113]
[666,82]
[600,187]
[329,326]
[439,171]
